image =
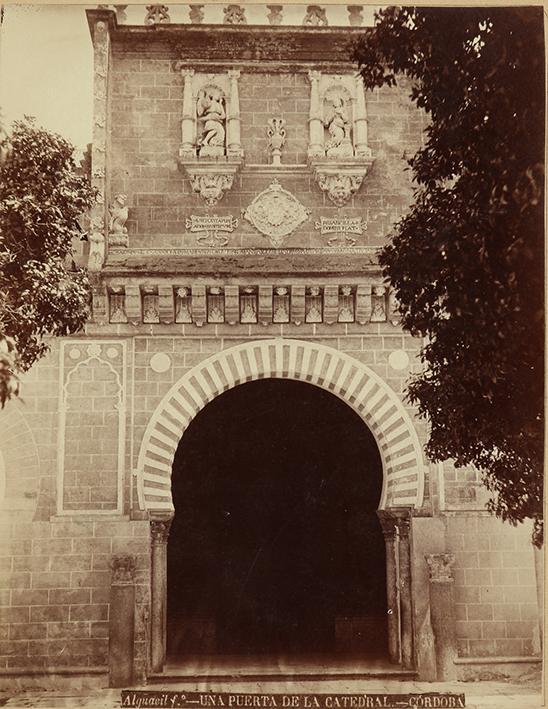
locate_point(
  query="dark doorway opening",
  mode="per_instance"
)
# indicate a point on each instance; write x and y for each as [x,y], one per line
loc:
[275,547]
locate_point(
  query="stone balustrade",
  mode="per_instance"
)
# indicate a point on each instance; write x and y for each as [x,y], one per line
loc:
[234,14]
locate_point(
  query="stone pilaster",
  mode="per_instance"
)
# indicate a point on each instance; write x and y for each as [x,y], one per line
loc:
[159,532]
[442,613]
[122,621]
[99,151]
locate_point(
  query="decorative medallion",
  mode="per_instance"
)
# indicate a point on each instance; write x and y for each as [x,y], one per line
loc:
[160,362]
[212,228]
[340,226]
[94,350]
[276,213]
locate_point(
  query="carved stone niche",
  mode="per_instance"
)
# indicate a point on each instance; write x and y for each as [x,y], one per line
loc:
[211,151]
[338,150]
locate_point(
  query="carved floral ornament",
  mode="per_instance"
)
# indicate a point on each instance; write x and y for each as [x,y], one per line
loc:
[276,213]
[211,186]
[339,185]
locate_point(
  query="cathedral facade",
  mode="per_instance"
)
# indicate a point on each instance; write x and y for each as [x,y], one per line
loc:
[228,442]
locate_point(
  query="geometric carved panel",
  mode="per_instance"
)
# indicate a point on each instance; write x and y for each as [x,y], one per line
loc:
[91,427]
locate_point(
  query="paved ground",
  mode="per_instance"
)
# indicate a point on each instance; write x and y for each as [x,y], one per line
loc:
[479,695]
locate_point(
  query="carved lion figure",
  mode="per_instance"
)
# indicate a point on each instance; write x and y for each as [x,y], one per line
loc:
[118,215]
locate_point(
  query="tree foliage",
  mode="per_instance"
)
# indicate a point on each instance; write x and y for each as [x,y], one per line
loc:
[466,262]
[41,294]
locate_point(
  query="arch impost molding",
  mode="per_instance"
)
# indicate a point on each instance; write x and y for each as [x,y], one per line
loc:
[353,382]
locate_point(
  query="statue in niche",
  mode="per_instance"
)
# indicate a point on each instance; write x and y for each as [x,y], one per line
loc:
[338,126]
[211,118]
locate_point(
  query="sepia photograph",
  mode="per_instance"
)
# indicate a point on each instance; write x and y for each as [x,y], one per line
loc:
[272,351]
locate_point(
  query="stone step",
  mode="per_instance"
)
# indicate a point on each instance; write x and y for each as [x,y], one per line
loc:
[195,670]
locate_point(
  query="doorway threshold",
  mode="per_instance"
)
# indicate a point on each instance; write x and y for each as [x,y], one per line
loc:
[279,667]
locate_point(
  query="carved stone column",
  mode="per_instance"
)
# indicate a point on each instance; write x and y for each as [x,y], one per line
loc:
[315,147]
[361,146]
[188,124]
[442,613]
[233,143]
[122,621]
[389,530]
[406,608]
[159,532]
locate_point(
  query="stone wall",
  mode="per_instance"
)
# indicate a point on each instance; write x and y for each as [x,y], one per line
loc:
[495,586]
[146,113]
[55,588]
[55,569]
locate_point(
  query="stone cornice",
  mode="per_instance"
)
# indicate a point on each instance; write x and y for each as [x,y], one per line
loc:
[235,43]
[305,262]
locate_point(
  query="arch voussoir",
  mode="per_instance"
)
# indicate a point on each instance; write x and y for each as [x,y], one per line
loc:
[352,381]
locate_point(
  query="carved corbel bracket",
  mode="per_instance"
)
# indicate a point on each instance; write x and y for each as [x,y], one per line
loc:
[340,180]
[211,179]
